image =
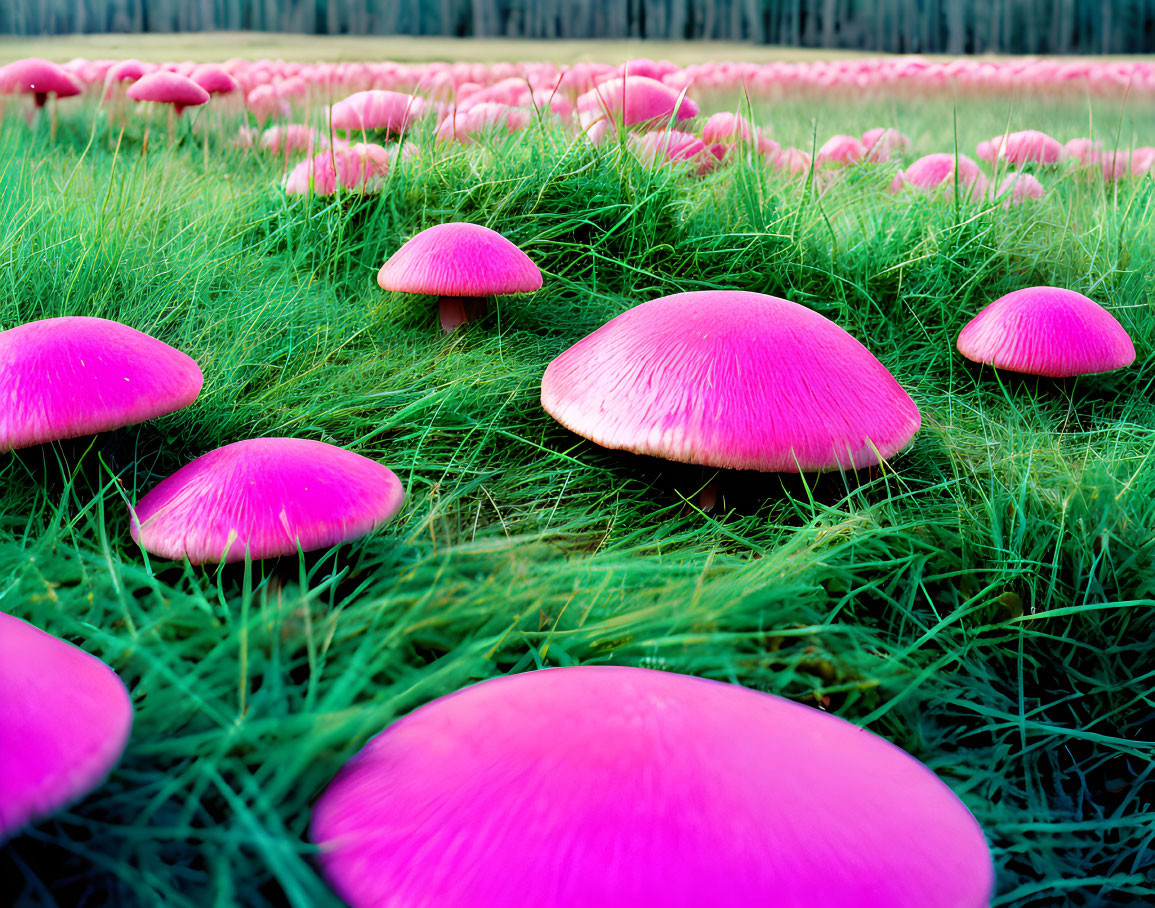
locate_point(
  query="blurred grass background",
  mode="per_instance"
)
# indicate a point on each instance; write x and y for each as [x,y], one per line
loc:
[985,600]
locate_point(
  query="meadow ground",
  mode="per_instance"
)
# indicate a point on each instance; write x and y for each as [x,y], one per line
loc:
[986,600]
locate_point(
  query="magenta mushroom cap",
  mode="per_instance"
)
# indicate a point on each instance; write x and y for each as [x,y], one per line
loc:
[1047,331]
[266,497]
[65,718]
[76,375]
[214,79]
[459,259]
[38,77]
[166,87]
[731,379]
[377,109]
[617,786]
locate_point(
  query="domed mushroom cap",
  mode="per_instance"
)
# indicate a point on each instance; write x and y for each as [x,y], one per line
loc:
[731,379]
[459,259]
[166,87]
[72,376]
[378,109]
[65,718]
[623,786]
[214,79]
[265,496]
[635,100]
[1047,331]
[38,77]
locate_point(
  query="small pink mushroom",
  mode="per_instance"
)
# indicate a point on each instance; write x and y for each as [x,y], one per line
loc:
[368,111]
[1047,331]
[263,498]
[168,88]
[841,151]
[938,171]
[462,264]
[1017,188]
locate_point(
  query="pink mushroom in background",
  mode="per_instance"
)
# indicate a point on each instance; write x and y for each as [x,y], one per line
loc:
[620,786]
[323,173]
[669,146]
[882,143]
[633,101]
[65,718]
[292,137]
[75,375]
[1017,188]
[214,79]
[170,88]
[39,78]
[486,117]
[126,71]
[1086,151]
[937,171]
[728,129]
[369,111]
[1025,147]
[263,498]
[1123,163]
[462,264]
[731,379]
[796,163]
[1047,331]
[841,150]
[265,103]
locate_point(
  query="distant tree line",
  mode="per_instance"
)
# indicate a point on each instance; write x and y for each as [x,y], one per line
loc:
[922,26]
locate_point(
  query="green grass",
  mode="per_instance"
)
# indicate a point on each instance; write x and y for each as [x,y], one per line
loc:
[985,600]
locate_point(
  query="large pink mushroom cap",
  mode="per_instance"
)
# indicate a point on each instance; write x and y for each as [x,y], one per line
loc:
[459,262]
[1047,331]
[65,718]
[731,379]
[166,87]
[266,497]
[75,375]
[37,77]
[634,100]
[631,788]
[214,79]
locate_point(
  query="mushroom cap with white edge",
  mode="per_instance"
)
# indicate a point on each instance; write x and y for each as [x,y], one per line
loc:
[65,719]
[459,259]
[621,786]
[731,379]
[76,375]
[265,497]
[1047,331]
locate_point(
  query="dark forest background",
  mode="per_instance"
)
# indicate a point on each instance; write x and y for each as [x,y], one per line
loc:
[921,26]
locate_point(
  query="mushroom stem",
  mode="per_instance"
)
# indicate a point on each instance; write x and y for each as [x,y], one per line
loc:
[455,311]
[171,123]
[52,119]
[708,497]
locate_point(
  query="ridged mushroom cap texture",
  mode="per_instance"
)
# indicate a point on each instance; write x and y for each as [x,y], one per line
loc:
[635,100]
[618,786]
[459,259]
[731,379]
[1047,331]
[165,87]
[77,375]
[377,109]
[65,719]
[265,496]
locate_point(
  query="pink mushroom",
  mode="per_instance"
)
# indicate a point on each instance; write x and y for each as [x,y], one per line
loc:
[168,88]
[669,146]
[841,150]
[1017,188]
[65,719]
[263,498]
[214,80]
[1047,331]
[367,111]
[1018,148]
[634,101]
[937,171]
[731,379]
[882,143]
[72,376]
[619,786]
[357,168]
[39,78]
[462,264]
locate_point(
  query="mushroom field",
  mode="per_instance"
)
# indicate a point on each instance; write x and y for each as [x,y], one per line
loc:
[338,400]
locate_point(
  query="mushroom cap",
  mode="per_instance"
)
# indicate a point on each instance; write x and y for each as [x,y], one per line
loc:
[378,109]
[214,79]
[33,75]
[265,496]
[76,375]
[1047,331]
[166,87]
[459,259]
[939,169]
[1026,146]
[618,786]
[65,718]
[635,100]
[731,379]
[842,150]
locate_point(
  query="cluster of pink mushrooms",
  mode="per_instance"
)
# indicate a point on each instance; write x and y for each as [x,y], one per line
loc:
[566,786]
